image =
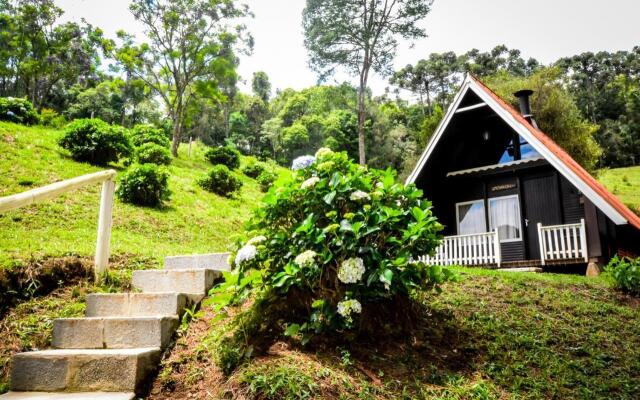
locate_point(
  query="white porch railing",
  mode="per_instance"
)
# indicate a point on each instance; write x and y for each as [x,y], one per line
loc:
[563,242]
[107,178]
[474,249]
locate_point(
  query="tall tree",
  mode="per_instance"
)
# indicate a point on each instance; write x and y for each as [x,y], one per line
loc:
[191,44]
[261,85]
[360,36]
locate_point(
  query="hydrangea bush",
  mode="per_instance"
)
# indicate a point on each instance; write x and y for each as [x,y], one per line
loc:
[335,244]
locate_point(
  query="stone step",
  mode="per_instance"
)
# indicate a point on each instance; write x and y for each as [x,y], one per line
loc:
[192,282]
[113,332]
[67,396]
[215,261]
[135,304]
[121,370]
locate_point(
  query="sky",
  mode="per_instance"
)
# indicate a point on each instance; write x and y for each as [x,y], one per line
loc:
[543,29]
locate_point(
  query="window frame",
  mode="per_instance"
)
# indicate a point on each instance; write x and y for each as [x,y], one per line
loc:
[519,239]
[464,203]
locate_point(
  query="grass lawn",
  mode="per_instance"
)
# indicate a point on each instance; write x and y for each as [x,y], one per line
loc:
[492,335]
[624,183]
[193,221]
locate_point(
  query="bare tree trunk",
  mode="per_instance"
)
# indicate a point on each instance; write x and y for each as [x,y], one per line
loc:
[362,116]
[176,138]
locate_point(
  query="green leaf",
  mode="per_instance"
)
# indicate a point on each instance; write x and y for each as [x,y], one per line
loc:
[328,198]
[292,330]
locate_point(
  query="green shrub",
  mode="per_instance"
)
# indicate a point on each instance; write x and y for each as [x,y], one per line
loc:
[335,244]
[625,273]
[152,153]
[227,156]
[18,110]
[253,168]
[146,133]
[144,185]
[95,141]
[220,180]
[49,117]
[266,179]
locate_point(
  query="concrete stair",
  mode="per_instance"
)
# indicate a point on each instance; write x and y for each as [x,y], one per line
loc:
[111,352]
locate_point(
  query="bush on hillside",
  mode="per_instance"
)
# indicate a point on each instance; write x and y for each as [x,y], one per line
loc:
[253,168]
[152,153]
[17,110]
[625,273]
[95,141]
[226,156]
[220,180]
[51,118]
[146,133]
[266,179]
[144,185]
[334,246]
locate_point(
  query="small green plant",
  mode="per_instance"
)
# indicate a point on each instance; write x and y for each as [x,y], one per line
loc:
[285,382]
[625,273]
[152,153]
[266,179]
[49,117]
[220,180]
[96,142]
[18,110]
[253,168]
[144,185]
[226,156]
[147,133]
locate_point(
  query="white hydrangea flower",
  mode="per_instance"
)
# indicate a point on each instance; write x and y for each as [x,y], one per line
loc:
[323,152]
[351,270]
[309,183]
[257,240]
[348,307]
[246,253]
[386,284]
[302,162]
[359,195]
[306,258]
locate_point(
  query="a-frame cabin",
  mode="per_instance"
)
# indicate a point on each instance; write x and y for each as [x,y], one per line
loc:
[508,195]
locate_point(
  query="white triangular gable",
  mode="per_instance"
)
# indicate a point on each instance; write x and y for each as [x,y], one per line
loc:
[470,84]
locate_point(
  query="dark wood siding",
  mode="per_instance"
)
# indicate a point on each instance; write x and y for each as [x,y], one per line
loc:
[572,206]
[512,251]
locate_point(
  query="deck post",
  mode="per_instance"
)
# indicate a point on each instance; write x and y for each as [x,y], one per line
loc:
[541,243]
[105,219]
[496,244]
[583,240]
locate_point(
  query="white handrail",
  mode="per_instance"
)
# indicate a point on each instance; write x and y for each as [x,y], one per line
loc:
[563,242]
[107,178]
[469,249]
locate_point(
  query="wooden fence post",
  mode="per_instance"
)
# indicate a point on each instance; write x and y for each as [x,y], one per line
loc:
[583,240]
[497,248]
[104,226]
[542,244]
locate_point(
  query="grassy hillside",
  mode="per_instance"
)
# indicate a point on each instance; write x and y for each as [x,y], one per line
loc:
[624,183]
[492,335]
[193,221]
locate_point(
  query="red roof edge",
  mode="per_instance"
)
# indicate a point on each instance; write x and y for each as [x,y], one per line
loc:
[566,159]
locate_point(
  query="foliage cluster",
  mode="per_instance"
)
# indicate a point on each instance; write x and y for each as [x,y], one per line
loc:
[147,133]
[253,168]
[152,153]
[96,142]
[266,179]
[220,180]
[334,247]
[224,155]
[144,185]
[17,110]
[625,273]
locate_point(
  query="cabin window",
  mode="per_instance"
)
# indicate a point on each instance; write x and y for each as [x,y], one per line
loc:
[511,153]
[471,217]
[504,215]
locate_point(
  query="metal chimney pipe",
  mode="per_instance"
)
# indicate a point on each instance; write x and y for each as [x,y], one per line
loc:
[525,105]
